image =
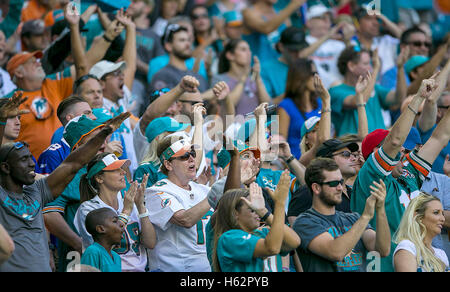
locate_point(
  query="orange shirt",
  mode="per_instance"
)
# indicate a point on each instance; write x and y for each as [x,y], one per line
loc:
[38,126]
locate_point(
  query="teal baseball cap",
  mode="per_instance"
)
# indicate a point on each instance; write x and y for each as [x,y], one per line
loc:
[247,129]
[308,126]
[79,127]
[161,125]
[233,18]
[414,62]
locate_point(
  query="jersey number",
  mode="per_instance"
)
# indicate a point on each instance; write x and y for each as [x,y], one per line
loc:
[201,224]
[131,232]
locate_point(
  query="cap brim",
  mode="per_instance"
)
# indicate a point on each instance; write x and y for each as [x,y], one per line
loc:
[118,164]
[182,151]
[235,23]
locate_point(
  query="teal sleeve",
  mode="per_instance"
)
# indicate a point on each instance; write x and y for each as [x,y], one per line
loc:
[338,95]
[91,258]
[237,245]
[382,93]
[12,20]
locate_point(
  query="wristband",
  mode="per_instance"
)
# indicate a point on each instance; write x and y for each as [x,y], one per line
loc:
[3,123]
[415,112]
[107,39]
[327,110]
[361,104]
[290,159]
[124,218]
[264,218]
[146,214]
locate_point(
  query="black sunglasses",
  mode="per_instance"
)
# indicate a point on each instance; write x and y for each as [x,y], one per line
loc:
[198,16]
[419,44]
[333,183]
[346,154]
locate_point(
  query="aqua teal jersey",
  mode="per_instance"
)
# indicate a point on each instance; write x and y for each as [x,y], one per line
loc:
[209,242]
[346,120]
[235,250]
[399,192]
[148,168]
[268,178]
[96,256]
[275,83]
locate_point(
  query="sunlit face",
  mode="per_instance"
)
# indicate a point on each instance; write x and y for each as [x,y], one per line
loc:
[241,55]
[32,70]
[369,25]
[113,84]
[113,180]
[92,92]
[181,45]
[329,195]
[362,67]
[249,167]
[247,219]
[347,161]
[434,217]
[12,128]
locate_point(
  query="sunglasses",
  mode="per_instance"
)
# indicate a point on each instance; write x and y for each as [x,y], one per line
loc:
[189,101]
[419,44]
[333,183]
[17,146]
[198,16]
[443,106]
[186,156]
[347,154]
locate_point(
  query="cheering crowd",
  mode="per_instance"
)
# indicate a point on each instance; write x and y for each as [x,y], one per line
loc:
[224,136]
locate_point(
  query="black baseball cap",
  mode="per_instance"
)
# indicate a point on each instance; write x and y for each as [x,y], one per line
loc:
[332,145]
[293,38]
[33,27]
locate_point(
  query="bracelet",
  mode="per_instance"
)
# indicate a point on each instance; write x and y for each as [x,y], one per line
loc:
[264,218]
[146,214]
[290,159]
[415,112]
[3,123]
[107,39]
[361,104]
[124,218]
[327,110]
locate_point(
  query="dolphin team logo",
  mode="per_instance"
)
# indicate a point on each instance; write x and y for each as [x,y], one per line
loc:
[41,108]
[165,203]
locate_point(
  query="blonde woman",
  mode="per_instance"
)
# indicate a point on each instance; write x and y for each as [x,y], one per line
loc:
[422,220]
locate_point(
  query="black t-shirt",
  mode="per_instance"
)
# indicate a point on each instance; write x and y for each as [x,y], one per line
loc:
[302,200]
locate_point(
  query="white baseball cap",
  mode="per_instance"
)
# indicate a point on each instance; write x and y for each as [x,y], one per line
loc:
[104,67]
[316,11]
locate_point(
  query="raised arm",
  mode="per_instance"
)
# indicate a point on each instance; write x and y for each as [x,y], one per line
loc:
[429,113]
[61,176]
[402,126]
[396,97]
[129,50]
[280,236]
[198,111]
[308,51]
[72,16]
[262,94]
[363,125]
[159,106]
[254,21]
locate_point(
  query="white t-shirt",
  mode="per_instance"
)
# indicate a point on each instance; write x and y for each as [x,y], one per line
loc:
[178,249]
[409,246]
[131,252]
[6,85]
[325,58]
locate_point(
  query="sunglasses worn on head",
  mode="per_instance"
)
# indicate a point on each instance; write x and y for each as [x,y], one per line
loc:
[17,146]
[198,16]
[333,183]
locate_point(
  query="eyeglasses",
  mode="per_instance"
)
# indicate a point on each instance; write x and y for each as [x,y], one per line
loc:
[17,146]
[333,183]
[419,44]
[189,101]
[443,107]
[346,154]
[187,155]
[114,74]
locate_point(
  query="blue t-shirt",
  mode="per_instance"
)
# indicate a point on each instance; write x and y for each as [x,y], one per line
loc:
[52,157]
[297,119]
[96,256]
[162,61]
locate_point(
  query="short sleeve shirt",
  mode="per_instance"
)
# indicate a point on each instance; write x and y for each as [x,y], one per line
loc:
[98,257]
[235,249]
[346,120]
[311,224]
[21,216]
